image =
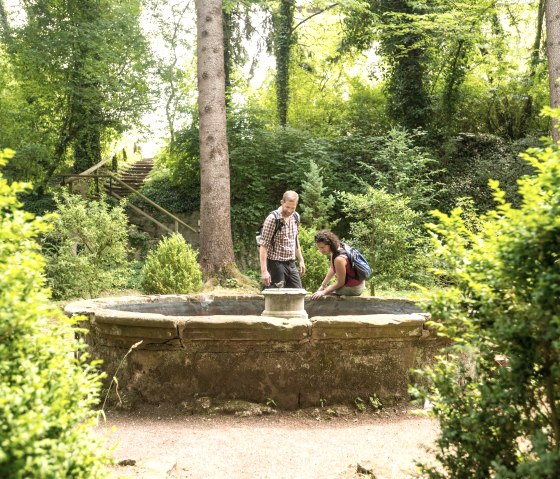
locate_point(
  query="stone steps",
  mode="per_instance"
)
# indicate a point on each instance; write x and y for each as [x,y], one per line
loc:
[134,176]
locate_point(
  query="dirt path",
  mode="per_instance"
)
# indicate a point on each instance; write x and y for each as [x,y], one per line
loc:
[308,444]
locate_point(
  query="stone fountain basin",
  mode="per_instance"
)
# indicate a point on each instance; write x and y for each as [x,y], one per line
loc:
[220,346]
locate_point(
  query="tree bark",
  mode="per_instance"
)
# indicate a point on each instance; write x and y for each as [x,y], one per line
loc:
[4,24]
[535,59]
[553,52]
[216,244]
[283,41]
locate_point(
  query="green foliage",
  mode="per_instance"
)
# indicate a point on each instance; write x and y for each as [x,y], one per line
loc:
[316,264]
[161,188]
[283,39]
[172,268]
[365,111]
[373,402]
[505,300]
[264,163]
[139,242]
[46,391]
[87,249]
[389,234]
[133,275]
[81,69]
[470,161]
[402,168]
[175,180]
[316,205]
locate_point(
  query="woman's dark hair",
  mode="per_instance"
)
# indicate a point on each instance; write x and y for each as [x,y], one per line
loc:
[329,238]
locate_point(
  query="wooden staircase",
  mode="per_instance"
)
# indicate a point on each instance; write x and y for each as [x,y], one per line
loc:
[123,183]
[133,176]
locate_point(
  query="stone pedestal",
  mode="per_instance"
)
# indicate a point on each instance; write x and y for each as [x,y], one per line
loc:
[284,303]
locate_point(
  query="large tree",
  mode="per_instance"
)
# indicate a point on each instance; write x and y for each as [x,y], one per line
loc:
[216,244]
[81,67]
[553,51]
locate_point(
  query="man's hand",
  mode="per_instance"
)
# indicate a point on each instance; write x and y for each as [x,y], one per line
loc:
[302,268]
[265,278]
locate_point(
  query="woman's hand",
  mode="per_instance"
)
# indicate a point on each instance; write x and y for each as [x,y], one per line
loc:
[318,294]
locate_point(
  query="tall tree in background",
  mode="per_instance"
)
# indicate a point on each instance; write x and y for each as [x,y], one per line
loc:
[401,45]
[81,66]
[535,60]
[216,244]
[283,19]
[409,104]
[553,51]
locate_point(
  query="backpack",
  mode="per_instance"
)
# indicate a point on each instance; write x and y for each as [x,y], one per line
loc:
[277,227]
[359,264]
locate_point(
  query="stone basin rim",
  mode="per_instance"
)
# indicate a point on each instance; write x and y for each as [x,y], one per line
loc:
[103,306]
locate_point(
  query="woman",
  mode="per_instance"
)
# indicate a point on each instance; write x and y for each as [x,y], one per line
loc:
[346,281]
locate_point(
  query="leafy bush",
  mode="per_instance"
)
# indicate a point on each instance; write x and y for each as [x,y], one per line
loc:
[389,234]
[316,205]
[87,248]
[172,268]
[402,168]
[316,264]
[162,189]
[501,419]
[470,161]
[46,391]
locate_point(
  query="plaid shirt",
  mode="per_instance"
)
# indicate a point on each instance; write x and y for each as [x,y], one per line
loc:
[285,239]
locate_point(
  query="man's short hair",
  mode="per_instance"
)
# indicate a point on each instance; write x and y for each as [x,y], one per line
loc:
[290,196]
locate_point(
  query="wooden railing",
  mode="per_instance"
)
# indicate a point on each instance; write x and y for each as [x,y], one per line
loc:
[108,157]
[69,179]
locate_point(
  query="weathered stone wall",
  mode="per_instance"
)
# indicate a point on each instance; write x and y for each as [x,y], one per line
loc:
[294,362]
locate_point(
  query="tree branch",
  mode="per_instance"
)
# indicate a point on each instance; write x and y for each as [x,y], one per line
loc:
[314,15]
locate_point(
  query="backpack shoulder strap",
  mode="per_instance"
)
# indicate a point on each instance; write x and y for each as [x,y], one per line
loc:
[277,217]
[277,221]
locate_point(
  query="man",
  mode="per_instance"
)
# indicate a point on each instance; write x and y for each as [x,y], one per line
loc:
[279,247]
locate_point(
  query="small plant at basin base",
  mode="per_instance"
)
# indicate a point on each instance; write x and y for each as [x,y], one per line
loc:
[172,268]
[270,402]
[231,283]
[375,403]
[360,404]
[47,392]
[114,379]
[372,402]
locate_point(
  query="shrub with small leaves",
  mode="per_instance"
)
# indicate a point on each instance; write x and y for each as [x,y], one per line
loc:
[499,418]
[316,264]
[390,235]
[46,392]
[87,248]
[172,268]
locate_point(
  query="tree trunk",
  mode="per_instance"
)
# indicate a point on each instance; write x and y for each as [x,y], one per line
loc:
[216,244]
[408,102]
[553,52]
[4,24]
[283,41]
[228,57]
[535,60]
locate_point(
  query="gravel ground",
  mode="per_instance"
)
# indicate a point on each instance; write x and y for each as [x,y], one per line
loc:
[321,443]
